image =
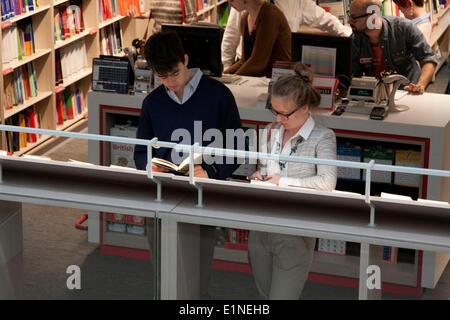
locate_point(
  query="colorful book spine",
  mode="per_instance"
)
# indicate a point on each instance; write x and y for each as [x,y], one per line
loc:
[390,254]
[381,155]
[349,152]
[408,158]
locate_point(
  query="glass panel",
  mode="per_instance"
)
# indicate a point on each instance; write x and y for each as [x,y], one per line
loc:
[155,245]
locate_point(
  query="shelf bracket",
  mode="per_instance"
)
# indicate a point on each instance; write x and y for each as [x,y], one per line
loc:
[158,189]
[372,215]
[371,205]
[200,196]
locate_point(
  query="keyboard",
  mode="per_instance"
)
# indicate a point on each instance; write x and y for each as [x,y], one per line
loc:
[356,107]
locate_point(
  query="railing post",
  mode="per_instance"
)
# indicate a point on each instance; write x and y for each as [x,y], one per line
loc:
[200,196]
[150,144]
[191,176]
[191,163]
[368,181]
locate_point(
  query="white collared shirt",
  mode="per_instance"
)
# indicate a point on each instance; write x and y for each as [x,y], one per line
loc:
[189,88]
[276,142]
[317,142]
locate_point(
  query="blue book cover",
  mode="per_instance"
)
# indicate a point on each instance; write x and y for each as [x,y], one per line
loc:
[32,38]
[7,10]
[349,152]
[11,9]
[30,5]
[78,100]
[3,10]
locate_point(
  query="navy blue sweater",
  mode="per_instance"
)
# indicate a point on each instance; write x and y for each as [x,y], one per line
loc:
[212,103]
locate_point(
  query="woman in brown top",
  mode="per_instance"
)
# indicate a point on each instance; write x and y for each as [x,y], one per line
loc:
[266,35]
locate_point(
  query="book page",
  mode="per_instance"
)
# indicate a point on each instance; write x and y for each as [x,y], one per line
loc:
[164,164]
[184,165]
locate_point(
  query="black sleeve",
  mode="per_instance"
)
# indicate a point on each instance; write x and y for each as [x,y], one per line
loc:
[145,131]
[356,68]
[229,119]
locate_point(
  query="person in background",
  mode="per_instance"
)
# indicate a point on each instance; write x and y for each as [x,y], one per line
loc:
[266,38]
[297,13]
[390,44]
[281,262]
[415,11]
[166,11]
[186,96]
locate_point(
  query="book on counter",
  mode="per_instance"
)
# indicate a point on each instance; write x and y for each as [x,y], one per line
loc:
[182,168]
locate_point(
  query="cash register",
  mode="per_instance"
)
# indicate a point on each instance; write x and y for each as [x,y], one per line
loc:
[374,97]
[364,94]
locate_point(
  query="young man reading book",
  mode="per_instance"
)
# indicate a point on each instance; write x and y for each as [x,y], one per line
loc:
[185,98]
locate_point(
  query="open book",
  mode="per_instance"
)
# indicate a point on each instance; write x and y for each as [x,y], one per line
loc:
[183,167]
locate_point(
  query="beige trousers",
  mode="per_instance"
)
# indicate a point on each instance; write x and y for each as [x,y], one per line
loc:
[280,263]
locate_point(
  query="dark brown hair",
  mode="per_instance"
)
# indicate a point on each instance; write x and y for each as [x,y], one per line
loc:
[163,51]
[404,3]
[298,87]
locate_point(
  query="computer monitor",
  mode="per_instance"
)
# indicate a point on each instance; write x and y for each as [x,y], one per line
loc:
[319,54]
[201,42]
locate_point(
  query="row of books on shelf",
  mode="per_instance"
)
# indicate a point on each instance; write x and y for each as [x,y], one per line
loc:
[19,86]
[203,4]
[109,9]
[339,247]
[29,117]
[434,7]
[18,41]
[68,21]
[381,155]
[69,104]
[230,238]
[223,12]
[12,8]
[111,39]
[122,223]
[70,60]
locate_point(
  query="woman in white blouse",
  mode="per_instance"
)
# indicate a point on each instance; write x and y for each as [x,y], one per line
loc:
[281,262]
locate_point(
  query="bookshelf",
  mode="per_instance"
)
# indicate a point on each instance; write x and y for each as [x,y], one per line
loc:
[212,11]
[44,60]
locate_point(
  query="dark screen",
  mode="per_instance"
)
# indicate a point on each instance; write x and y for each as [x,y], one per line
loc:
[361,92]
[202,45]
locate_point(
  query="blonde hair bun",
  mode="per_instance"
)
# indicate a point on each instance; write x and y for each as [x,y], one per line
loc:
[302,71]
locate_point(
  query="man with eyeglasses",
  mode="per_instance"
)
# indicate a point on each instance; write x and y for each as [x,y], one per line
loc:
[391,44]
[170,111]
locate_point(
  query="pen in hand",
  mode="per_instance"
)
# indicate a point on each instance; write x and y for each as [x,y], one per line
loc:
[256,178]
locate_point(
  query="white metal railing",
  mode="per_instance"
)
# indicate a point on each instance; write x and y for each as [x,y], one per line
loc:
[195,148]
